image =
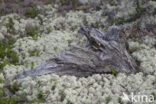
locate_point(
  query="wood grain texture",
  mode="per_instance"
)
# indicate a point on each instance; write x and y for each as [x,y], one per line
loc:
[104,53]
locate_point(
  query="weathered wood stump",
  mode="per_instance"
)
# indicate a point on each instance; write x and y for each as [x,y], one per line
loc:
[104,53]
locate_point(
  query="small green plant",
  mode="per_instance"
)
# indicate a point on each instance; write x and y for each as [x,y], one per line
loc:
[41,20]
[108,99]
[1,68]
[55,48]
[69,102]
[32,31]
[72,28]
[44,48]
[120,100]
[62,94]
[6,62]
[39,83]
[1,14]
[69,41]
[1,80]
[41,96]
[38,101]
[32,65]
[48,30]
[23,55]
[34,52]
[154,94]
[7,54]
[54,86]
[10,24]
[14,88]
[12,100]
[1,92]
[114,72]
[63,2]
[32,12]
[13,57]
[4,99]
[51,80]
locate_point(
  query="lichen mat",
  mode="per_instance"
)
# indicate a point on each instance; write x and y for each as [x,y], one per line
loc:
[104,53]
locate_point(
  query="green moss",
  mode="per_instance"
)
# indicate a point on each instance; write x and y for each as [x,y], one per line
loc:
[32,13]
[34,52]
[62,94]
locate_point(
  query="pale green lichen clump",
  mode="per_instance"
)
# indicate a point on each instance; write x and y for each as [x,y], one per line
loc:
[145,52]
[52,33]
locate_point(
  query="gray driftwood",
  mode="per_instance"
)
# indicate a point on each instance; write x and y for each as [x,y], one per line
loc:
[104,53]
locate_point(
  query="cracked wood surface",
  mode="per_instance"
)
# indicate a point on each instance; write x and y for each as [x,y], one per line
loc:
[104,53]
